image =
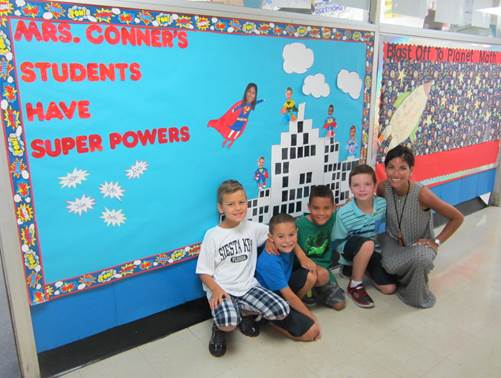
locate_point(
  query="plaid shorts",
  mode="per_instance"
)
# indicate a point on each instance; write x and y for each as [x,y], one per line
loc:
[257,300]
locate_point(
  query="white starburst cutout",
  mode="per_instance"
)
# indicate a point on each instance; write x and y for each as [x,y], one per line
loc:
[74,178]
[136,170]
[80,205]
[111,190]
[113,217]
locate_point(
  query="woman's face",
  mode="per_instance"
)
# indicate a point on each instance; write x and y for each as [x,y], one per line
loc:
[250,95]
[399,173]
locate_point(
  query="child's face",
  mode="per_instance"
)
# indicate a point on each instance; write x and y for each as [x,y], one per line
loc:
[250,95]
[261,163]
[398,172]
[284,236]
[321,209]
[362,186]
[288,94]
[331,110]
[234,208]
[352,133]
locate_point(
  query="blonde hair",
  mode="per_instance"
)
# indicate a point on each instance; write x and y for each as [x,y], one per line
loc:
[228,187]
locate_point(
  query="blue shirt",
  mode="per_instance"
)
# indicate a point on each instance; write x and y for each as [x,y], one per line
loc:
[351,221]
[273,272]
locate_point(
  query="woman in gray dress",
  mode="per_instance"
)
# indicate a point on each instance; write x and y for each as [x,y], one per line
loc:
[409,245]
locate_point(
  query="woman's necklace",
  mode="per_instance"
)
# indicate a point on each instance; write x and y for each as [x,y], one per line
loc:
[401,215]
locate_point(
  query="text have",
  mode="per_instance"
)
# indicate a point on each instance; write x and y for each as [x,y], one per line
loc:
[57,110]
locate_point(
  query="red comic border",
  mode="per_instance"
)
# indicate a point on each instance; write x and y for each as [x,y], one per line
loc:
[12,125]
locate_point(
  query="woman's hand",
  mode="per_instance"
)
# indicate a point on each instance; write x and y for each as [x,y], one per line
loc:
[427,243]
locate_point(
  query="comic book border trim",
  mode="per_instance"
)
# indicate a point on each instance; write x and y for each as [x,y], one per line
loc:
[38,290]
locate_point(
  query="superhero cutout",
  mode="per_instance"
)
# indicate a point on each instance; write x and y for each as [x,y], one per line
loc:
[330,123]
[232,124]
[261,174]
[289,108]
[352,145]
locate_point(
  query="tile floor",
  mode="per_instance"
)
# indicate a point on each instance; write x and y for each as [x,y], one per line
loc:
[459,337]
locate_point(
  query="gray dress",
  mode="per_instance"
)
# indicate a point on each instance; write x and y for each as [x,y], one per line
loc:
[410,263]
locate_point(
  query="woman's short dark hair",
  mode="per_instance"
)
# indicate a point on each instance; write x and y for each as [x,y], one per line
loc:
[400,151]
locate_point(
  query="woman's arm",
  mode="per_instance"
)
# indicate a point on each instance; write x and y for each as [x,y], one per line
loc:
[429,200]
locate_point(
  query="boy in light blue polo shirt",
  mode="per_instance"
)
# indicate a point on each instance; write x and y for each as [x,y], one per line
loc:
[355,237]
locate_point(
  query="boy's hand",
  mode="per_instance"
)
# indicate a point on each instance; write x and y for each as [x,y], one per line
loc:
[319,336]
[271,248]
[218,295]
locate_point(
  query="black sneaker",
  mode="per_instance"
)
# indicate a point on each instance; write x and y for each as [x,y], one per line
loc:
[249,327]
[217,343]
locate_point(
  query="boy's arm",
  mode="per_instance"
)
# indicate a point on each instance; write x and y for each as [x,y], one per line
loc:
[304,260]
[339,234]
[206,266]
[297,304]
[218,294]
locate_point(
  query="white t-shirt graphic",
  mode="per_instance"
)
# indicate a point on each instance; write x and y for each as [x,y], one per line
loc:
[230,255]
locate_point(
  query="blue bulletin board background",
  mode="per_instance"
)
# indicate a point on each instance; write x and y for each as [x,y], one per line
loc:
[166,209]
[85,221]
[168,206]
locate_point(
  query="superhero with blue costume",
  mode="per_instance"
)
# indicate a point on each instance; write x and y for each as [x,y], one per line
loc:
[261,174]
[352,144]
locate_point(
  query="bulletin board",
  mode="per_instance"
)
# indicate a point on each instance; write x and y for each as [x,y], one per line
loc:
[120,124]
[444,103]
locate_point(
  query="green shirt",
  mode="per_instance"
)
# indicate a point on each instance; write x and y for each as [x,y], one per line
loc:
[315,240]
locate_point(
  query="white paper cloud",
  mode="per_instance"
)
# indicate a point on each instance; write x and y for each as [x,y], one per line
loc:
[297,58]
[316,86]
[349,82]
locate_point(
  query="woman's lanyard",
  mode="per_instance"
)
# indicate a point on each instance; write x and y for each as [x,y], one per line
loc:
[400,217]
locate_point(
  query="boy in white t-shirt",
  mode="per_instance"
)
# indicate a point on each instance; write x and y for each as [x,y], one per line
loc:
[226,267]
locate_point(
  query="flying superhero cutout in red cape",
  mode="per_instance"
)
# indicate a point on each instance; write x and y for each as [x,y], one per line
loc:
[232,124]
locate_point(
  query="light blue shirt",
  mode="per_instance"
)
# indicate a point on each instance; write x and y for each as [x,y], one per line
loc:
[351,221]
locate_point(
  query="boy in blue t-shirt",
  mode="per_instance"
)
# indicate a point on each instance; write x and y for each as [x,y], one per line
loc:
[275,272]
[355,237]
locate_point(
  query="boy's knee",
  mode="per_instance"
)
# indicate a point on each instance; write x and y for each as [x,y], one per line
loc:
[227,328]
[368,246]
[338,306]
[388,289]
[322,276]
[311,334]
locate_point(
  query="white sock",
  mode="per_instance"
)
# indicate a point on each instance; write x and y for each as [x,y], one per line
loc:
[354,283]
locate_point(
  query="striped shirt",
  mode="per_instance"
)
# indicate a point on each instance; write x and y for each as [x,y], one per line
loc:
[351,221]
